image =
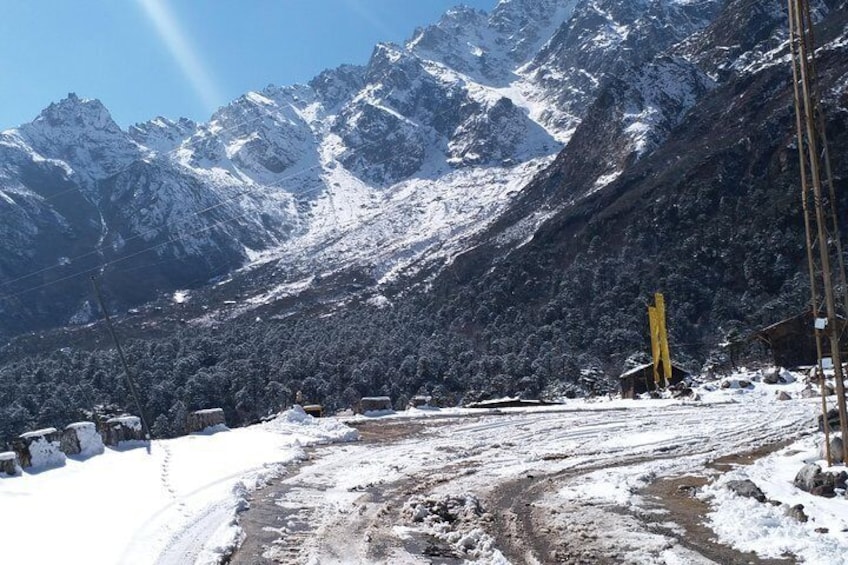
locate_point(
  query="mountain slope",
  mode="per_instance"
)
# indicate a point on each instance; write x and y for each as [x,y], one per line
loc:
[450,125]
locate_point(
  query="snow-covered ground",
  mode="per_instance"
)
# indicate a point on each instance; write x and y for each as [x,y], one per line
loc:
[562,483]
[175,503]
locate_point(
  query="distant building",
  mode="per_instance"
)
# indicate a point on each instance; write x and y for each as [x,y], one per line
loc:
[640,379]
[792,341]
[374,404]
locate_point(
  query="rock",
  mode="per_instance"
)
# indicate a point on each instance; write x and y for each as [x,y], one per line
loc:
[832,420]
[806,477]
[811,479]
[783,395]
[746,488]
[808,393]
[687,490]
[824,490]
[797,512]
[771,377]
[828,390]
[822,530]
[683,393]
[836,449]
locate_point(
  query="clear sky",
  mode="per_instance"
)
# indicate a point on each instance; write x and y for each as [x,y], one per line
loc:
[175,58]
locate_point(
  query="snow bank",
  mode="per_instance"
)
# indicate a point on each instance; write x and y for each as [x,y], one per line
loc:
[765,528]
[307,429]
[181,498]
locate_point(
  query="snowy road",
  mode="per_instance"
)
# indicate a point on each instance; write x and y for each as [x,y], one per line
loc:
[523,487]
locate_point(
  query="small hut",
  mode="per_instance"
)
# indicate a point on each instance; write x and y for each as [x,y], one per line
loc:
[374,404]
[792,341]
[39,448]
[122,428]
[199,420]
[81,438]
[640,379]
[9,463]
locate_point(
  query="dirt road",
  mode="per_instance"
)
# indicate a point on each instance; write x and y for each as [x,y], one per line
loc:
[552,486]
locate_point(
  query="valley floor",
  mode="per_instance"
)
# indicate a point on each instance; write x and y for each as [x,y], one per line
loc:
[604,482]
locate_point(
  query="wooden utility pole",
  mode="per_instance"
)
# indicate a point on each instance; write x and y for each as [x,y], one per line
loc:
[824,247]
[123,359]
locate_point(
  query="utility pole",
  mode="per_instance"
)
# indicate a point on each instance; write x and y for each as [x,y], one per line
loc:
[824,248]
[123,359]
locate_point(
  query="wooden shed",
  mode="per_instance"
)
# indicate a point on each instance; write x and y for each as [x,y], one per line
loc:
[199,420]
[792,341]
[639,380]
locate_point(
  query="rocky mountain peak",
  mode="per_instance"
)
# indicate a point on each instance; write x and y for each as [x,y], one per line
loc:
[162,134]
[75,113]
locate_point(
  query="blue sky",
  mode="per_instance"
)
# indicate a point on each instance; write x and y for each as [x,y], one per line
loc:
[175,58]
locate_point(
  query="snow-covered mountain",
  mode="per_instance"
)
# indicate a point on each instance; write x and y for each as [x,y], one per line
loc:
[383,167]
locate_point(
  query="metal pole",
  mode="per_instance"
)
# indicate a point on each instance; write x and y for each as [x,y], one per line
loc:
[123,359]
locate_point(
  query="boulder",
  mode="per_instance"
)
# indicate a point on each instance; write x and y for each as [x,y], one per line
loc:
[836,449]
[783,395]
[832,420]
[806,477]
[771,377]
[811,479]
[797,512]
[746,488]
